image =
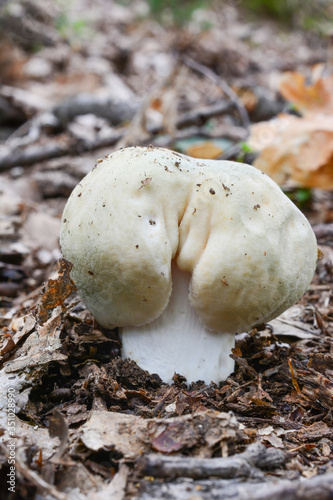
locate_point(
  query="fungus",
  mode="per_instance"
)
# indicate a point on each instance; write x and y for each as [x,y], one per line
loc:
[180,267]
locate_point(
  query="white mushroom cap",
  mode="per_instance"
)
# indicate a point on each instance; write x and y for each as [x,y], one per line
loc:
[250,252]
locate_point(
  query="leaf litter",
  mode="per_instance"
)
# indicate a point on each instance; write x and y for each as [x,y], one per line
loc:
[107,412]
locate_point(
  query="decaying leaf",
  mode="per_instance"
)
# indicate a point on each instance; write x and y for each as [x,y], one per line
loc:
[299,149]
[315,432]
[56,291]
[126,434]
[132,436]
[116,488]
[311,385]
[21,327]
[270,436]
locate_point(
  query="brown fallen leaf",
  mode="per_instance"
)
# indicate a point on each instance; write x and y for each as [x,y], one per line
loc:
[299,149]
[314,432]
[310,385]
[168,440]
[8,345]
[207,150]
[132,436]
[296,149]
[315,96]
[22,326]
[269,435]
[248,97]
[56,291]
[291,324]
[127,434]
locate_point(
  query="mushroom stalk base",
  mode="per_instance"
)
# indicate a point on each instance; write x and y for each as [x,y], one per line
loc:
[177,341]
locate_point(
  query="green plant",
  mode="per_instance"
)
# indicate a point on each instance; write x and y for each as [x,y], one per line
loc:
[279,9]
[244,152]
[305,14]
[173,11]
[67,27]
[301,197]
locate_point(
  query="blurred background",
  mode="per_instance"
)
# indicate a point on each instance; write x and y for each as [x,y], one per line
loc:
[247,81]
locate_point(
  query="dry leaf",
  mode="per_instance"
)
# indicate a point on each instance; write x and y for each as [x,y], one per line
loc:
[8,345]
[248,98]
[270,436]
[294,148]
[166,441]
[313,97]
[132,435]
[116,488]
[56,291]
[22,326]
[125,433]
[291,324]
[299,149]
[207,150]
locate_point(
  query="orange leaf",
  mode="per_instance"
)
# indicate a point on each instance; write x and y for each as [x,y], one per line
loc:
[314,97]
[299,149]
[56,291]
[207,150]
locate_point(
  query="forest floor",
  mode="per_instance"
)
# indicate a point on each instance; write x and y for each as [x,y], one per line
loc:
[78,82]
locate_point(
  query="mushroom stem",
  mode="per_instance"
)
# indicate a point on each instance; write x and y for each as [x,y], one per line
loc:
[178,342]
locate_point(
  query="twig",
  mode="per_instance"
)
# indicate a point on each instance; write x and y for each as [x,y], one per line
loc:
[319,487]
[201,115]
[115,110]
[34,154]
[203,70]
[245,464]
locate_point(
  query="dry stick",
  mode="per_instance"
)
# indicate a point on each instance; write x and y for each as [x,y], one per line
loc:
[35,154]
[203,114]
[116,111]
[203,70]
[32,154]
[319,487]
[245,464]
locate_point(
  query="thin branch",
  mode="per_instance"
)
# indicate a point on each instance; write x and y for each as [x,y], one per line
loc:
[319,487]
[245,464]
[34,154]
[208,73]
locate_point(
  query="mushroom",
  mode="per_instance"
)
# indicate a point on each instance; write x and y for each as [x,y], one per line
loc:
[182,254]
